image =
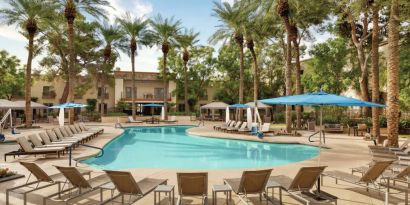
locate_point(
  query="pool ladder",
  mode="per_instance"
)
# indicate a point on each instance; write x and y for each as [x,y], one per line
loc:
[323,134]
[89,146]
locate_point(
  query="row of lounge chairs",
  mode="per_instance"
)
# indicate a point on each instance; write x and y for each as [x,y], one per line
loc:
[172,119]
[54,141]
[241,127]
[258,182]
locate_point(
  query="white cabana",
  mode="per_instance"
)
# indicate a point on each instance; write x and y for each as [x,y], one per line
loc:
[19,105]
[215,106]
[162,113]
[227,115]
[249,116]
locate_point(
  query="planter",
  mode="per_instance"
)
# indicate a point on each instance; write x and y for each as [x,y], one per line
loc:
[12,177]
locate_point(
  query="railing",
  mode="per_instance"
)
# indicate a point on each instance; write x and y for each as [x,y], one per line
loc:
[106,96]
[89,146]
[318,132]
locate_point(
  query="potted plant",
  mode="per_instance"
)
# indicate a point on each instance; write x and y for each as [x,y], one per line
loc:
[6,175]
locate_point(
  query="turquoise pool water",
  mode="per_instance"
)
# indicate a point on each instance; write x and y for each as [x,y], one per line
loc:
[172,147]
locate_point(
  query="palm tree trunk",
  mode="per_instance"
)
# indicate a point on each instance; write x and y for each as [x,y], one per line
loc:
[375,73]
[27,94]
[134,87]
[165,87]
[298,85]
[71,67]
[393,75]
[241,73]
[186,86]
[255,77]
[288,83]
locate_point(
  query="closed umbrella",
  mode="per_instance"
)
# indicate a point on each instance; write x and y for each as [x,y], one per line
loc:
[227,115]
[162,113]
[249,116]
[61,117]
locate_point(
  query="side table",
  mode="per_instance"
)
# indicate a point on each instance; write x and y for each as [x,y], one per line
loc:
[167,189]
[221,188]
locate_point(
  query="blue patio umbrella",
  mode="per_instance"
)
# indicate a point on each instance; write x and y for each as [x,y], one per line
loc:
[238,105]
[319,99]
[69,105]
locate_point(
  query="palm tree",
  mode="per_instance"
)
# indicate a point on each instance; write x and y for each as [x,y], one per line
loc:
[186,41]
[232,27]
[393,74]
[164,33]
[111,35]
[375,71]
[28,15]
[283,11]
[135,30]
[71,9]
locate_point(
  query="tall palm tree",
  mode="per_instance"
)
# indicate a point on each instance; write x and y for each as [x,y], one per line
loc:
[135,30]
[164,33]
[71,9]
[28,15]
[375,71]
[283,11]
[111,35]
[393,74]
[232,27]
[186,41]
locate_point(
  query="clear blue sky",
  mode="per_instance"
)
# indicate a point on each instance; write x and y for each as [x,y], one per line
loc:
[196,14]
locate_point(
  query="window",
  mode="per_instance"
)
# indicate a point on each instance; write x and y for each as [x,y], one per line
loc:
[128,92]
[105,92]
[46,90]
[181,107]
[159,92]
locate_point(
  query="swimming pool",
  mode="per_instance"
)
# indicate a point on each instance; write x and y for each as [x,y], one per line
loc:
[172,147]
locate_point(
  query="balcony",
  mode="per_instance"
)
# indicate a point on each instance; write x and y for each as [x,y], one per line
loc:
[106,96]
[49,95]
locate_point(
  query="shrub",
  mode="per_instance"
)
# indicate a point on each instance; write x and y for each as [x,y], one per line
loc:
[404,124]
[116,114]
[91,105]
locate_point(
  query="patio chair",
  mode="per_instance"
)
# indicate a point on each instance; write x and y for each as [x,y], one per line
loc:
[216,127]
[60,137]
[236,128]
[27,149]
[46,139]
[53,136]
[126,185]
[402,146]
[266,128]
[38,143]
[362,128]
[400,181]
[98,130]
[251,182]
[301,185]
[405,152]
[70,135]
[41,177]
[369,177]
[79,183]
[92,133]
[233,124]
[246,128]
[131,120]
[192,184]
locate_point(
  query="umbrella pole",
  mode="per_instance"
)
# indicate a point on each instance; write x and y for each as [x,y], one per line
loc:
[320,146]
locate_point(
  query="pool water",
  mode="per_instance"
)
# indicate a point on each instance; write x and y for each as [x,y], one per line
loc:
[172,147]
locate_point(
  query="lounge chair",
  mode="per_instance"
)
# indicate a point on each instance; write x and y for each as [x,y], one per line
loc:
[216,127]
[192,184]
[369,177]
[301,185]
[27,149]
[92,133]
[172,119]
[400,181]
[405,152]
[251,182]
[68,134]
[245,127]
[265,128]
[131,120]
[402,146]
[126,185]
[58,136]
[38,143]
[98,130]
[232,125]
[41,177]
[46,139]
[78,182]
[236,128]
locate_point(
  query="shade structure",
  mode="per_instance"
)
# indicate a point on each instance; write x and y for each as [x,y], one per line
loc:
[19,105]
[68,105]
[152,105]
[259,104]
[319,99]
[215,106]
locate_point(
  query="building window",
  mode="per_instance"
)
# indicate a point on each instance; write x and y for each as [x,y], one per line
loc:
[48,92]
[128,92]
[105,92]
[159,93]
[181,107]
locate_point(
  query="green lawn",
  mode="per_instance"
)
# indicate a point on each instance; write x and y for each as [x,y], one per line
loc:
[404,136]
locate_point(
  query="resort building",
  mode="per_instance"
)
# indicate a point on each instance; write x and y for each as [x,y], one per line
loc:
[149,90]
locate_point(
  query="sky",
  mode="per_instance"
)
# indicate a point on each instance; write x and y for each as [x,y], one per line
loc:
[195,14]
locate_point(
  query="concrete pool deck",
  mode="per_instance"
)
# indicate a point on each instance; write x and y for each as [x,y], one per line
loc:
[343,153]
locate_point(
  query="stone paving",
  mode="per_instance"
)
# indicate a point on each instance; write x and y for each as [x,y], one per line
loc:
[341,152]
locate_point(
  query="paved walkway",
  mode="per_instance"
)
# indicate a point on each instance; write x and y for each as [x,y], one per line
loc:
[342,153]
